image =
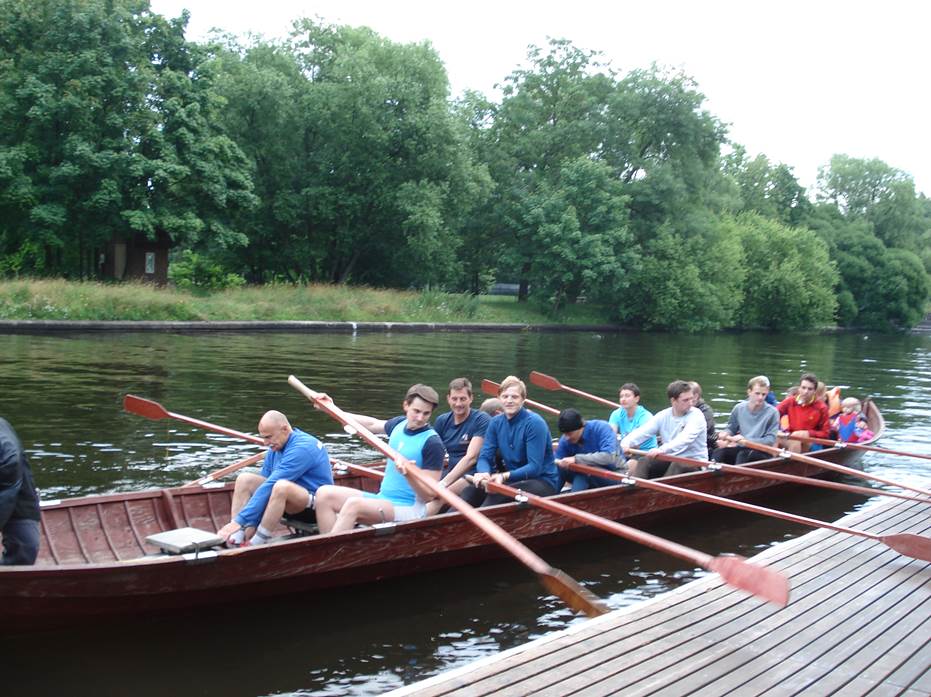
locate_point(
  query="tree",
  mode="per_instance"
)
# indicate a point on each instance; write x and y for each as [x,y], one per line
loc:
[768,189]
[106,130]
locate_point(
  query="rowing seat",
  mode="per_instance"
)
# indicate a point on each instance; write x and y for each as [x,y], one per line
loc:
[184,540]
[303,523]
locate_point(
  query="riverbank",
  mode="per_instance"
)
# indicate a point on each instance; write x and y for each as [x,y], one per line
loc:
[51,304]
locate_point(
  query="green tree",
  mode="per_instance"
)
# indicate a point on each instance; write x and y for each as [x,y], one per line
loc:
[765,188]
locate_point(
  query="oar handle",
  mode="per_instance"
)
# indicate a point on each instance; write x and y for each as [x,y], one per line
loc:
[490,387]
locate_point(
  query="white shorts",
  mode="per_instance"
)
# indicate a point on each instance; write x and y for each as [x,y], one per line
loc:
[415,512]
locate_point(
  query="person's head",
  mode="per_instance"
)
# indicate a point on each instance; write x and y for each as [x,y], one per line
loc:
[571,424]
[821,390]
[757,389]
[419,403]
[629,395]
[807,385]
[512,394]
[274,429]
[696,391]
[492,406]
[680,396]
[850,405]
[459,396]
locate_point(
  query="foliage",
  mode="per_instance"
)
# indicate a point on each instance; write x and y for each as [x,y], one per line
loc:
[192,271]
[767,189]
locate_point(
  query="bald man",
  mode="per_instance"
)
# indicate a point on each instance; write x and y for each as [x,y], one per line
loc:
[296,465]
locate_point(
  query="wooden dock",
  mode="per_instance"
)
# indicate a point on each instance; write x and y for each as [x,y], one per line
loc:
[858,622]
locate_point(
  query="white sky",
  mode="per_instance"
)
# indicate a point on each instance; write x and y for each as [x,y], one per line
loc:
[796,81]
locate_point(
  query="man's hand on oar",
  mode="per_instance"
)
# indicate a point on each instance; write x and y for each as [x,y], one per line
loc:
[736,571]
[909,544]
[555,581]
[548,382]
[849,471]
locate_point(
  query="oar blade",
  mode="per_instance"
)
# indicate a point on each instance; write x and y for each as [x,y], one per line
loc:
[490,388]
[572,593]
[909,545]
[144,407]
[760,581]
[547,382]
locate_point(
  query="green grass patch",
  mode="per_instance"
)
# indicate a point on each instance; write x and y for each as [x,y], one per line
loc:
[76,300]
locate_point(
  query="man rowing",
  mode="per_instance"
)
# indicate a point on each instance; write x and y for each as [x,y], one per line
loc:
[400,497]
[807,416]
[526,448]
[462,430]
[751,419]
[295,466]
[630,414]
[586,443]
[681,429]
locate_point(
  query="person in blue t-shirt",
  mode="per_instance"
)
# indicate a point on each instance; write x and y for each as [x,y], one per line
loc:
[526,448]
[462,430]
[400,498]
[296,465]
[630,415]
[586,443]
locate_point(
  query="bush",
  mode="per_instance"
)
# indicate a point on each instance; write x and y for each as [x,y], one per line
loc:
[196,272]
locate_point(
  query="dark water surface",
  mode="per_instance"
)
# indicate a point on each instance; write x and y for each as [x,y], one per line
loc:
[63,394]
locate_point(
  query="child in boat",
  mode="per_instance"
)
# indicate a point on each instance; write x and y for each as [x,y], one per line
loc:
[850,425]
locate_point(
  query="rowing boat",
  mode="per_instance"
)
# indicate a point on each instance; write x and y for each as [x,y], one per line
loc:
[95,558]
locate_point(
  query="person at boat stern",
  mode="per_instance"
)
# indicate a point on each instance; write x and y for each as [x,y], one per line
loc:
[807,416]
[295,467]
[19,503]
[462,430]
[681,429]
[586,443]
[400,498]
[751,419]
[526,447]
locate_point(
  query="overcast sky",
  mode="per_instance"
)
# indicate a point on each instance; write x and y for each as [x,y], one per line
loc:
[796,81]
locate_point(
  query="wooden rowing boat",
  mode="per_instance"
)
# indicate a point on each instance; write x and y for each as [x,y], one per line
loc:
[95,560]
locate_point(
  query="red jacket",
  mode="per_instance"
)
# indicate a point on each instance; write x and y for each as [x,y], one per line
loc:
[809,417]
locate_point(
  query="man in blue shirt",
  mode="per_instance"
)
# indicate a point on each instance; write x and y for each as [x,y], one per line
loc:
[586,443]
[296,465]
[339,508]
[462,430]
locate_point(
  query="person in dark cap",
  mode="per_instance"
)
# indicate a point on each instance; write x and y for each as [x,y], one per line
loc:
[19,504]
[400,497]
[586,443]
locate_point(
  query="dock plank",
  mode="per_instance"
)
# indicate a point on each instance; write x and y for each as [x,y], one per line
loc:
[858,622]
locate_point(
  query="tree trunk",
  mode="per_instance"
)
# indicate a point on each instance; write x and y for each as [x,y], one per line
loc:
[523,290]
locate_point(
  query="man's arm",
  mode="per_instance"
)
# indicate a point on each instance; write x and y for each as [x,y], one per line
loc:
[376,426]
[465,464]
[641,433]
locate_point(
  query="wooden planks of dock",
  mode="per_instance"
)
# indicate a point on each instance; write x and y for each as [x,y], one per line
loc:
[858,623]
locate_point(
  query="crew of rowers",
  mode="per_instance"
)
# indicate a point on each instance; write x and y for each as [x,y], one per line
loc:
[505,443]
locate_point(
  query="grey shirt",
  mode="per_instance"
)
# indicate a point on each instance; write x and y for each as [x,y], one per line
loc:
[761,425]
[680,435]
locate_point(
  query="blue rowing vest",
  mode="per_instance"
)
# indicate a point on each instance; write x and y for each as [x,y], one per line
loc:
[394,486]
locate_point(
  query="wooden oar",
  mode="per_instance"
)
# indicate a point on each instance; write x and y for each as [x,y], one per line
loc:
[778,476]
[858,446]
[554,580]
[781,452]
[908,544]
[153,410]
[736,571]
[490,387]
[229,469]
[548,382]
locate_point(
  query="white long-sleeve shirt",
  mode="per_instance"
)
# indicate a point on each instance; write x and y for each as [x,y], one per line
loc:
[680,435]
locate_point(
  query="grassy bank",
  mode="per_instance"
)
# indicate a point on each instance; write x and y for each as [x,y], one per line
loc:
[73,300]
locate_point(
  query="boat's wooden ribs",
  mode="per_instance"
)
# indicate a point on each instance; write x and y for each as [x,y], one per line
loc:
[105,526]
[133,529]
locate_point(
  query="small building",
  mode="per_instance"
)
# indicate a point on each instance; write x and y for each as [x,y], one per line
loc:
[138,258]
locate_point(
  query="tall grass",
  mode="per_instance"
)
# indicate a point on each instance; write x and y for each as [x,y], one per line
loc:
[77,300]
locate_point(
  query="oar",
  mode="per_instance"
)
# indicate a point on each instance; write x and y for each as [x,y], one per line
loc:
[490,387]
[229,469]
[153,410]
[778,476]
[734,570]
[908,544]
[781,452]
[858,446]
[554,580]
[548,382]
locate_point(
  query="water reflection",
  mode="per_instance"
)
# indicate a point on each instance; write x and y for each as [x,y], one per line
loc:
[63,394]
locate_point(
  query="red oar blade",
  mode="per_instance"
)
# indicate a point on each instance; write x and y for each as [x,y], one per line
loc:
[762,582]
[490,388]
[572,594]
[144,407]
[547,382]
[910,545]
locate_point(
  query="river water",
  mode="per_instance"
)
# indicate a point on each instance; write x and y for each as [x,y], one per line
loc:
[63,394]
